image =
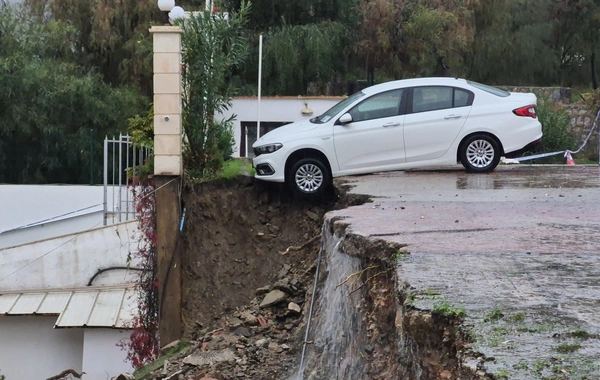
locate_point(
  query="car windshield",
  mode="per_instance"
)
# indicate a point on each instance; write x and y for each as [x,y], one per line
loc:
[325,117]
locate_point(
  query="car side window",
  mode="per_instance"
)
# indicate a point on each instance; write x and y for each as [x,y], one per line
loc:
[431,98]
[462,98]
[438,98]
[386,104]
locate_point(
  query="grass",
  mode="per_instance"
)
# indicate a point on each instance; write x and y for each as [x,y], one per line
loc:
[236,167]
[158,363]
[399,256]
[493,315]
[446,309]
[566,348]
[432,293]
[517,317]
[581,334]
[502,374]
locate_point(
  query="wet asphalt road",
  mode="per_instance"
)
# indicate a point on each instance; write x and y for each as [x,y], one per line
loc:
[522,242]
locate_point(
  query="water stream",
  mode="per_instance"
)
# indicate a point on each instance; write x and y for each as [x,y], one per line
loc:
[337,330]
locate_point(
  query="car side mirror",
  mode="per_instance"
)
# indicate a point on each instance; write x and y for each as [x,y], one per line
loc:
[345,119]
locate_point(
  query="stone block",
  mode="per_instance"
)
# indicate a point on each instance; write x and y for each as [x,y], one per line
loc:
[167,104]
[167,144]
[166,42]
[167,165]
[167,84]
[172,126]
[167,63]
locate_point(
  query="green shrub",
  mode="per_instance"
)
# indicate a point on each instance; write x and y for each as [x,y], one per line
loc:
[555,126]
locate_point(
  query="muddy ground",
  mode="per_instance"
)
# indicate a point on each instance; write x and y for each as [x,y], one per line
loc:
[240,235]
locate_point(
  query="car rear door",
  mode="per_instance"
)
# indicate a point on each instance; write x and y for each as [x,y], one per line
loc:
[435,115]
[374,138]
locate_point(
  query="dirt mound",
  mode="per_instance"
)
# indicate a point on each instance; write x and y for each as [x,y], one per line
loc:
[239,236]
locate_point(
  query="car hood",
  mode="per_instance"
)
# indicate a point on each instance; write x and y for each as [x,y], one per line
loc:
[286,132]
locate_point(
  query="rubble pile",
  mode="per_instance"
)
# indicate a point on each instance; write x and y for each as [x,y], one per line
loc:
[259,341]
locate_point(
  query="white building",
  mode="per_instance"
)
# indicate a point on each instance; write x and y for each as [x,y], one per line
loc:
[66,295]
[274,112]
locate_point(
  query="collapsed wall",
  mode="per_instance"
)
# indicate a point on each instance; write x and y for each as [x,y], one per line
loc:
[364,326]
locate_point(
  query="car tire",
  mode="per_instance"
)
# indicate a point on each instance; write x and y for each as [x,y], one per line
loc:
[479,153]
[309,177]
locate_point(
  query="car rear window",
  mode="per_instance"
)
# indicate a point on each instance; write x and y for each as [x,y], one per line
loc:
[489,89]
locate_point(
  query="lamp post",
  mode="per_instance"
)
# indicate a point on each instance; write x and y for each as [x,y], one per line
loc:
[166,6]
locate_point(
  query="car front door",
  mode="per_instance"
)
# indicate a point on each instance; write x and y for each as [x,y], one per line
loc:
[374,138]
[435,116]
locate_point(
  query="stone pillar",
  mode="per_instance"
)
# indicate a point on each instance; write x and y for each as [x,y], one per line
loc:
[167,168]
[167,100]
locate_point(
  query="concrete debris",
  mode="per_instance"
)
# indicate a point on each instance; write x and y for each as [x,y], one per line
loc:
[210,358]
[273,298]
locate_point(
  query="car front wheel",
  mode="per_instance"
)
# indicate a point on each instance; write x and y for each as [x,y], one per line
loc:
[309,177]
[479,153]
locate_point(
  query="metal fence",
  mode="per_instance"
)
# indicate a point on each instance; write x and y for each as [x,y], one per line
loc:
[121,157]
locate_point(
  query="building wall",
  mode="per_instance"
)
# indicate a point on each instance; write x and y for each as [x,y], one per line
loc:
[279,109]
[36,212]
[31,349]
[102,358]
[70,260]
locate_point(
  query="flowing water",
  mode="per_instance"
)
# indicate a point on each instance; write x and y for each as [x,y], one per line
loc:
[337,330]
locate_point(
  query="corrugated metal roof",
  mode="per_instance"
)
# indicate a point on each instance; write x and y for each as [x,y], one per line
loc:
[88,307]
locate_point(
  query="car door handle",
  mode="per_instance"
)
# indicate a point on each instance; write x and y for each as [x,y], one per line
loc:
[452,117]
[391,125]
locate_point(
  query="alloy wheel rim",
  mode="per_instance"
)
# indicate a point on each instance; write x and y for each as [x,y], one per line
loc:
[309,177]
[480,153]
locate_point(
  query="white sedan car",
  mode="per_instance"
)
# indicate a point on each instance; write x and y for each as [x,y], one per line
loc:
[404,124]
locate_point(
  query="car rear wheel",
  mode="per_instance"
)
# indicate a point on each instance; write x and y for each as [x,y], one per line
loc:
[479,153]
[309,177]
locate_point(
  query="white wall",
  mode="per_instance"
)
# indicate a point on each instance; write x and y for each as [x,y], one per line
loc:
[34,212]
[282,109]
[30,349]
[102,358]
[71,260]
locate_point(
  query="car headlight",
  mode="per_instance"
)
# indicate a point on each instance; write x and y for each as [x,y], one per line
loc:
[269,148]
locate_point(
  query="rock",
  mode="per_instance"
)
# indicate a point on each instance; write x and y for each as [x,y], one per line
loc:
[263,290]
[312,215]
[285,346]
[272,298]
[235,322]
[445,374]
[369,349]
[210,358]
[274,346]
[127,376]
[285,270]
[284,286]
[243,331]
[294,307]
[261,343]
[249,318]
[166,348]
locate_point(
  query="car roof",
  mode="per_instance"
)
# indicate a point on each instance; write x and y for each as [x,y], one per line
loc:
[440,81]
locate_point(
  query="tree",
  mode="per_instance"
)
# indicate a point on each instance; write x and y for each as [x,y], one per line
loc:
[212,48]
[110,35]
[52,112]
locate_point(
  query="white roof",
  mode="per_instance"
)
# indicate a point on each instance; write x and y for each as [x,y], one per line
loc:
[85,307]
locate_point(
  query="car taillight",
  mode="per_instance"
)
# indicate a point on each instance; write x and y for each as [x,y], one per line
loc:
[527,111]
